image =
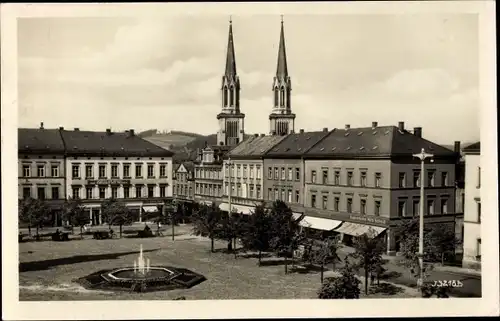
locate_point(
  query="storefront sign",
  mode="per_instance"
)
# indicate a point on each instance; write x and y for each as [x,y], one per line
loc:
[368,219]
[108,181]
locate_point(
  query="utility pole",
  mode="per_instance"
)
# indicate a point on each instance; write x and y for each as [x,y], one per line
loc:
[422,156]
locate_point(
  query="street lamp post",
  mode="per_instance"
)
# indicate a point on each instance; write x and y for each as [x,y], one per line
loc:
[230,191]
[422,156]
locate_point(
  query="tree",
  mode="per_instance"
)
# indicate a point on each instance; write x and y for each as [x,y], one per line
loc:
[75,214]
[116,213]
[345,286]
[286,232]
[443,241]
[205,221]
[368,252]
[324,253]
[34,212]
[256,233]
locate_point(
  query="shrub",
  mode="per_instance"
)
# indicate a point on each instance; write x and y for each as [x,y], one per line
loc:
[345,286]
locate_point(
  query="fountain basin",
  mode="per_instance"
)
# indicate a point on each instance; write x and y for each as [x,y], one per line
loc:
[131,274]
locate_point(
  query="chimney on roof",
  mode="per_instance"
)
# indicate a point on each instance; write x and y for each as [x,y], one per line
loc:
[325,129]
[374,124]
[273,133]
[417,131]
[131,132]
[76,129]
[347,126]
[41,125]
[255,135]
[108,131]
[301,131]
[262,135]
[457,147]
[401,126]
[61,128]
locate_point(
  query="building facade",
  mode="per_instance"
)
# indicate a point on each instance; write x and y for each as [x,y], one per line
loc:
[243,173]
[184,181]
[231,120]
[41,168]
[208,176]
[367,179]
[472,214]
[281,119]
[103,165]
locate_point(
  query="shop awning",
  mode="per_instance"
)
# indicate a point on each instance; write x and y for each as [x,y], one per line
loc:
[150,209]
[296,216]
[318,223]
[237,208]
[355,229]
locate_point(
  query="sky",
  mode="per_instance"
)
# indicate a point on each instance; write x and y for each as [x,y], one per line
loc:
[165,72]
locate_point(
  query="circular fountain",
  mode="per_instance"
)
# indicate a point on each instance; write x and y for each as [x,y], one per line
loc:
[142,277]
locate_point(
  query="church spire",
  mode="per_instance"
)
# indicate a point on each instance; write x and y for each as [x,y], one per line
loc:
[282,68]
[230,57]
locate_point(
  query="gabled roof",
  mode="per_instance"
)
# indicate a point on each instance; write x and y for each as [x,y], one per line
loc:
[255,146]
[383,141]
[34,140]
[188,166]
[110,144]
[473,148]
[295,145]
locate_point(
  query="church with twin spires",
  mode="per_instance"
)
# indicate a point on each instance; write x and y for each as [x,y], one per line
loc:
[231,120]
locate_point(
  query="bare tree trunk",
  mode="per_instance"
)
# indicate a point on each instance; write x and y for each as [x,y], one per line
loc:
[29,229]
[322,274]
[173,228]
[212,244]
[286,264]
[121,228]
[260,257]
[366,280]
[442,259]
[37,235]
[81,232]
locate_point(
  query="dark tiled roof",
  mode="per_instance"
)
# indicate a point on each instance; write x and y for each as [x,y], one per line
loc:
[176,167]
[375,142]
[110,144]
[473,148]
[255,146]
[188,165]
[297,144]
[39,140]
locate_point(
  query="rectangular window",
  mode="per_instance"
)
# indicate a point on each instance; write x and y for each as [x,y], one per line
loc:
[126,192]
[75,171]
[349,178]
[444,179]
[114,192]
[258,192]
[377,208]
[325,202]
[402,179]
[233,191]
[313,200]
[430,178]
[336,204]
[55,192]
[416,207]
[362,178]
[276,173]
[89,171]
[239,190]
[251,191]
[478,177]
[430,207]
[276,194]
[444,206]
[478,248]
[163,191]
[251,172]
[297,197]
[270,173]
[89,192]
[349,205]
[270,194]
[325,176]
[283,174]
[416,179]
[283,197]
[40,170]
[76,192]
[244,171]
[238,174]
[54,170]
[138,191]
[102,171]
[102,192]
[151,191]
[41,193]
[138,170]
[114,171]
[126,170]
[26,170]
[362,206]
[258,172]
[26,192]
[401,208]
[297,174]
[313,177]
[478,212]
[163,170]
[290,174]
[151,170]
[378,179]
[336,178]
[290,196]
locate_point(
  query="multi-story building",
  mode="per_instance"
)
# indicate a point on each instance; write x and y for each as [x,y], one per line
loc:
[208,175]
[472,214]
[184,181]
[102,165]
[243,173]
[41,168]
[284,167]
[367,178]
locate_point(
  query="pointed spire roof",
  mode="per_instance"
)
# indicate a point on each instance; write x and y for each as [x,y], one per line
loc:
[282,68]
[230,58]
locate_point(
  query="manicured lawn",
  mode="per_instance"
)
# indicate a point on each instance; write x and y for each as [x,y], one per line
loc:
[48,268]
